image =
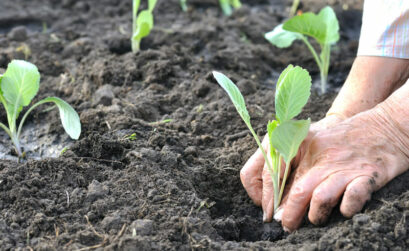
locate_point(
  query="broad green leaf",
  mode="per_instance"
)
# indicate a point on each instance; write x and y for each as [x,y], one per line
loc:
[281,38]
[288,136]
[144,25]
[151,4]
[283,75]
[308,24]
[69,117]
[328,17]
[20,83]
[292,92]
[234,94]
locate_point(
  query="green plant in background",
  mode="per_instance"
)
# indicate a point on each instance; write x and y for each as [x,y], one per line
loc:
[183,5]
[294,7]
[142,23]
[285,134]
[18,86]
[228,5]
[324,28]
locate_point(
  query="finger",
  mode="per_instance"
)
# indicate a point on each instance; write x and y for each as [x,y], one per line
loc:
[299,197]
[326,196]
[357,193]
[268,195]
[251,175]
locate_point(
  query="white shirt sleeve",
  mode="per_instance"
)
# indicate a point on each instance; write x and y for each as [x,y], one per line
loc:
[385,29]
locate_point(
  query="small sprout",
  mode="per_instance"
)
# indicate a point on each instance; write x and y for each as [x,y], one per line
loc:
[199,108]
[161,122]
[228,5]
[45,28]
[183,5]
[18,86]
[324,28]
[25,49]
[285,134]
[142,23]
[63,150]
[131,137]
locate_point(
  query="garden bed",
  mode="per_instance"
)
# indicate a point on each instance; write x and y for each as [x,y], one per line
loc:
[137,181]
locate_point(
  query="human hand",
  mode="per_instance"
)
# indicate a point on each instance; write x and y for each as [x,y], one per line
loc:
[354,158]
[257,180]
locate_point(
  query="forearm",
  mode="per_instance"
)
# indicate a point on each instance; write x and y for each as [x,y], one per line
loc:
[370,81]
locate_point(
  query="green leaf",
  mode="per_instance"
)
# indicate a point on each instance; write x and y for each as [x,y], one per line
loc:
[144,25]
[327,16]
[69,117]
[308,24]
[288,136]
[292,92]
[281,38]
[151,4]
[20,83]
[234,94]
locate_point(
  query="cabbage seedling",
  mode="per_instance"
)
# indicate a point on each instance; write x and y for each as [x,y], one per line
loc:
[228,5]
[324,28]
[285,134]
[18,86]
[142,23]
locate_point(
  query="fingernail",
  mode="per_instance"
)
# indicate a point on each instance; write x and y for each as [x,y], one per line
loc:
[286,229]
[278,214]
[264,216]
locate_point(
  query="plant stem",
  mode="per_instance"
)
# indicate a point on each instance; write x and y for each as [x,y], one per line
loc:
[135,7]
[287,167]
[16,143]
[5,128]
[325,57]
[294,7]
[226,8]
[312,50]
[135,45]
[183,5]
[323,82]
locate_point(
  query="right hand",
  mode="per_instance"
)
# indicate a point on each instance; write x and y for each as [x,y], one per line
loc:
[257,180]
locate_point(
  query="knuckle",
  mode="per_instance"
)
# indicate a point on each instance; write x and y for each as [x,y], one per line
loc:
[298,193]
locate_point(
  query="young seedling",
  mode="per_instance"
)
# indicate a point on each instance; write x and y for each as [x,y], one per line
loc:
[285,134]
[18,86]
[142,23]
[323,28]
[183,5]
[228,5]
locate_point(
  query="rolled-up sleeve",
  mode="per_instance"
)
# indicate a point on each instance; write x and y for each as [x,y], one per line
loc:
[385,29]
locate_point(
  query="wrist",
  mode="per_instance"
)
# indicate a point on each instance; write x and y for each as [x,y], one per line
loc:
[370,81]
[393,115]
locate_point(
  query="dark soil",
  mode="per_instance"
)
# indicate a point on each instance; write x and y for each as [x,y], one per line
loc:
[171,185]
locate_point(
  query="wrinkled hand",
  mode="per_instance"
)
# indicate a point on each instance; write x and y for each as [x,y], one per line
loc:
[257,180]
[354,158]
